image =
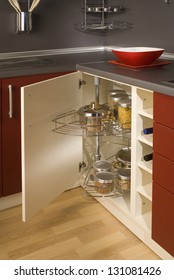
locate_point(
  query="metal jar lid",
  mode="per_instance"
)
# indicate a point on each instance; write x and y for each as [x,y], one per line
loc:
[124,174]
[102,165]
[104,177]
[116,95]
[124,103]
[93,111]
[124,156]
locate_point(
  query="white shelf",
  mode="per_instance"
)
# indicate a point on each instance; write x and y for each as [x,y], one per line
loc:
[147,139]
[145,221]
[146,191]
[146,165]
[148,112]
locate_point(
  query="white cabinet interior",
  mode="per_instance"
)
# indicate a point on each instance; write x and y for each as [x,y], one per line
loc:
[50,160]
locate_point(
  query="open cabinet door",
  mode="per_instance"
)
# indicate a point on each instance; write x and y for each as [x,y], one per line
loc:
[49,160]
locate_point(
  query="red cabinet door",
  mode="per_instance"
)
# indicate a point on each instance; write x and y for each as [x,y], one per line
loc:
[0,144]
[163,140]
[11,130]
[163,172]
[162,217]
[163,109]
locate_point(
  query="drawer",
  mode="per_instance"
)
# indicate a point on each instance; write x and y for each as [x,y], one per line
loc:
[163,172]
[162,218]
[163,109]
[163,141]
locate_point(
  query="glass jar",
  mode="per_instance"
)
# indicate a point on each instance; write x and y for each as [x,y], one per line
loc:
[104,182]
[102,166]
[113,97]
[123,157]
[124,113]
[92,117]
[123,180]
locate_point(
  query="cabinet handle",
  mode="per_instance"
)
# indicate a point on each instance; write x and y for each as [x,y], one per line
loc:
[10,95]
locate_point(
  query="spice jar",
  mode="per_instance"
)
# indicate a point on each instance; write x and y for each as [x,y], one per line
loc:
[113,97]
[124,113]
[104,182]
[102,166]
[123,179]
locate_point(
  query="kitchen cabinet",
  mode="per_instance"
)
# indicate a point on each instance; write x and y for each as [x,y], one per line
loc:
[163,169]
[50,160]
[0,150]
[10,140]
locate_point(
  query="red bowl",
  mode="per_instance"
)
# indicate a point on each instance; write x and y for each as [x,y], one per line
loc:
[137,56]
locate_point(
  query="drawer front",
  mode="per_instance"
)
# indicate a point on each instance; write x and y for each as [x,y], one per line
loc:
[163,141]
[163,109]
[163,172]
[162,218]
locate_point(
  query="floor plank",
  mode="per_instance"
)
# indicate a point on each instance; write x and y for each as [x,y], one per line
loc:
[70,228]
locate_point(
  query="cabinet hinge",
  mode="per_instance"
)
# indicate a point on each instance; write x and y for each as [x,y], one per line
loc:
[82,164]
[81,83]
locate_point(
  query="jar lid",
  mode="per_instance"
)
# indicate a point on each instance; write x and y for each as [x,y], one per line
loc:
[102,165]
[117,96]
[92,111]
[104,177]
[124,156]
[116,91]
[124,173]
[125,103]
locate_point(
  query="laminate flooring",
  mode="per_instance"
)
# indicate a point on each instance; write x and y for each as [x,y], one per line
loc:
[72,227]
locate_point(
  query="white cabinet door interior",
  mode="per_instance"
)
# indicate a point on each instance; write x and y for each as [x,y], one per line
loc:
[49,160]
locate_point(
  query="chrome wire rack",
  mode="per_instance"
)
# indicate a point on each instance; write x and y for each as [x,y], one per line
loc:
[69,124]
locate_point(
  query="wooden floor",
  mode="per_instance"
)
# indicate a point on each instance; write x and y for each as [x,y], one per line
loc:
[70,228]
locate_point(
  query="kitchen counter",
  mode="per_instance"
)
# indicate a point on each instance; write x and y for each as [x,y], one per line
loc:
[93,60]
[49,63]
[155,79]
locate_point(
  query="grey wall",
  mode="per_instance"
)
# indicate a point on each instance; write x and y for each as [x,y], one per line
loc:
[153,24]
[53,21]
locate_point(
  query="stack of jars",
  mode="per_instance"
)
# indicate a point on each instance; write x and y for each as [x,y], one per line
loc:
[104,178]
[120,104]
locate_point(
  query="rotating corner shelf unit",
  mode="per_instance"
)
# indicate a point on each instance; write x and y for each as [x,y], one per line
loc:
[102,139]
[100,11]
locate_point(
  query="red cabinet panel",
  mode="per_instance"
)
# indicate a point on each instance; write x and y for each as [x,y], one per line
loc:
[163,140]
[162,218]
[163,172]
[164,109]
[11,131]
[0,144]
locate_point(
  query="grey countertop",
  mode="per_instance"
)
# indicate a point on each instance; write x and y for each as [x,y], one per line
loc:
[54,63]
[94,62]
[155,79]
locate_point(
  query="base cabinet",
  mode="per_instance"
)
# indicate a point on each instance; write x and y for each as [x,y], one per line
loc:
[163,169]
[45,176]
[0,144]
[10,132]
